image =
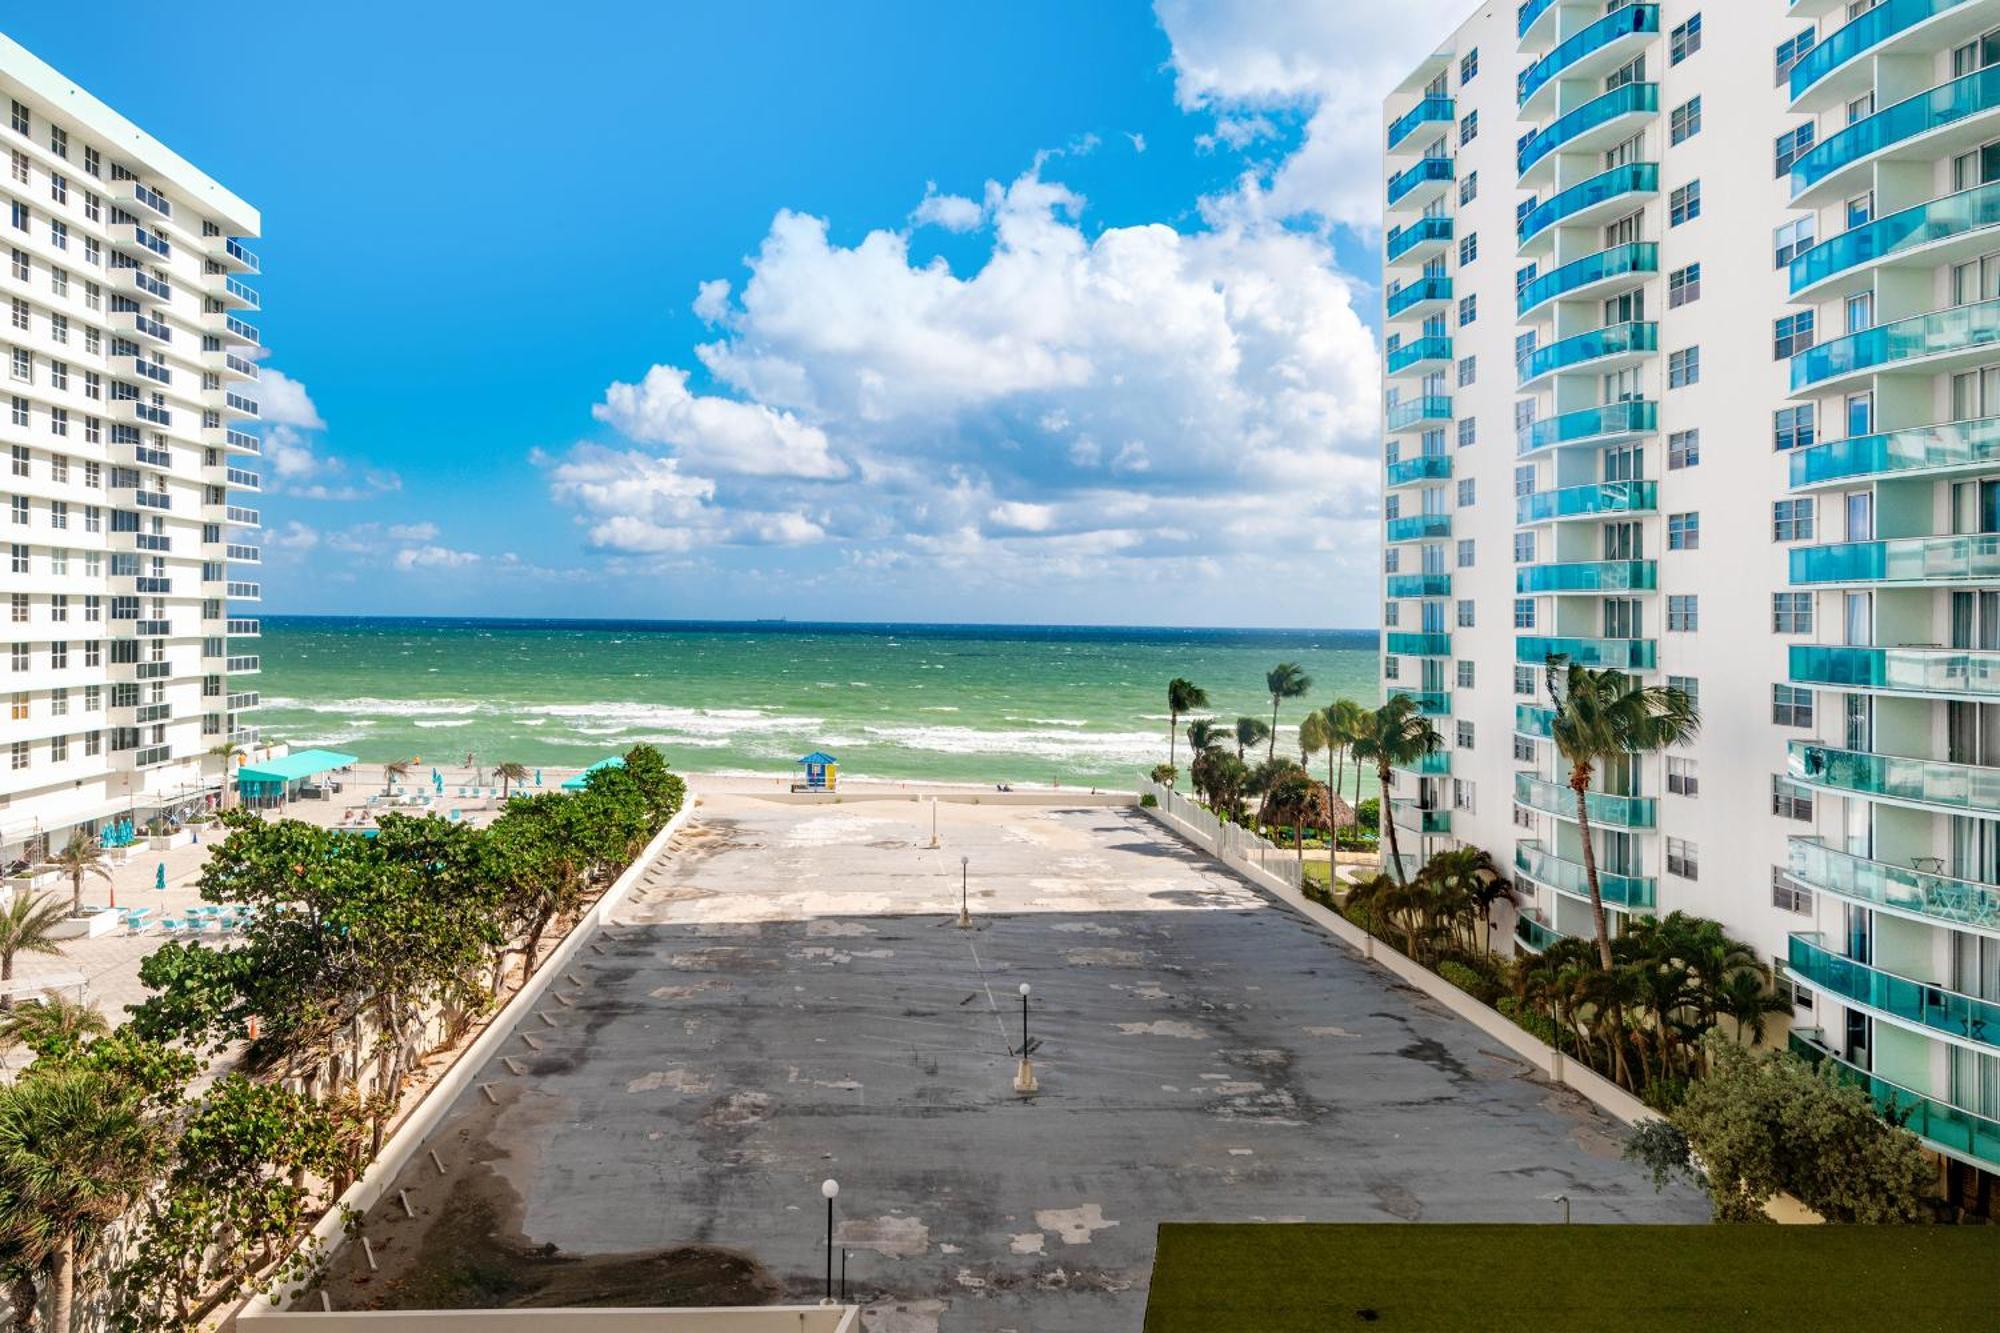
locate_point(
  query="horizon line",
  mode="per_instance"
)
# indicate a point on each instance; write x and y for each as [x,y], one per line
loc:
[779,622]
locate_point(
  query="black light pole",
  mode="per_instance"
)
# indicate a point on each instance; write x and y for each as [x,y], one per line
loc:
[1024,1018]
[830,1188]
[964,893]
[1024,1073]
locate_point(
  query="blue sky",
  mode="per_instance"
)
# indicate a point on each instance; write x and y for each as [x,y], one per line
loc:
[1041,311]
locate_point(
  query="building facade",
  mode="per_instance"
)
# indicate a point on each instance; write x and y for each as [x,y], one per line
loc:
[1691,311]
[131,386]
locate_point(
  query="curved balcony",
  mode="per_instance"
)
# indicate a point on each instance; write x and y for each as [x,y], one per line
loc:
[1418,241]
[1417,185]
[1420,356]
[1435,764]
[1403,586]
[1588,576]
[1943,231]
[1553,798]
[1592,428]
[1922,1004]
[1418,413]
[1932,125]
[1602,274]
[1528,20]
[1915,451]
[1591,53]
[1587,203]
[1632,892]
[1429,111]
[1431,703]
[1422,468]
[1616,654]
[1931,784]
[1422,296]
[1928,343]
[1419,645]
[1954,673]
[1942,1126]
[1586,502]
[1599,351]
[1592,127]
[1532,935]
[1532,721]
[1839,51]
[1419,819]
[1894,888]
[1418,527]
[1961,559]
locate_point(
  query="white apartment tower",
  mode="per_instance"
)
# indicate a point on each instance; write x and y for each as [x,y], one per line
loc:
[130,388]
[1692,349]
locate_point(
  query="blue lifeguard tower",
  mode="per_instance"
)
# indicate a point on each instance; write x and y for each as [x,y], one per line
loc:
[821,772]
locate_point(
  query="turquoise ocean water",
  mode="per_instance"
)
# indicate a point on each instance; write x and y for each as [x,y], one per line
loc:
[960,703]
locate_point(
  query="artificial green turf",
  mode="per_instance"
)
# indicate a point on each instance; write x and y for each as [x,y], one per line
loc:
[1274,1278]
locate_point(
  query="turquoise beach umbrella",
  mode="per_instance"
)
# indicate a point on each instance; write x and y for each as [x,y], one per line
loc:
[160,876]
[538,777]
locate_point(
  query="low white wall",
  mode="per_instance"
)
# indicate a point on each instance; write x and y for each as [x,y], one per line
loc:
[710,1319]
[1049,797]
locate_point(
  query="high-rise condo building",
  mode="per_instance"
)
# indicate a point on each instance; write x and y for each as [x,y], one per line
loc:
[130,388]
[1692,348]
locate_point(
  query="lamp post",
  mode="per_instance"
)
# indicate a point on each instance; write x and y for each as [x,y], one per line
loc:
[1024,1075]
[1563,1199]
[934,835]
[830,1188]
[964,893]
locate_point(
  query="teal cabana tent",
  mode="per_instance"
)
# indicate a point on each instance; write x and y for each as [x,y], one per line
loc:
[582,780]
[275,779]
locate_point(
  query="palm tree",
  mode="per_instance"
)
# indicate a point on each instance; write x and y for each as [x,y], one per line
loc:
[1342,718]
[1183,696]
[1601,716]
[25,926]
[1315,735]
[1249,730]
[1747,999]
[395,771]
[509,773]
[225,753]
[1287,680]
[81,856]
[1395,735]
[51,1024]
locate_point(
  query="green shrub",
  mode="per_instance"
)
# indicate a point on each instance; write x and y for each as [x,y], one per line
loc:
[1149,801]
[1470,980]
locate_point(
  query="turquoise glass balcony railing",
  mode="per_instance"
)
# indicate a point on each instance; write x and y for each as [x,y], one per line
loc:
[1420,645]
[1553,798]
[1532,721]
[1956,444]
[1419,527]
[1413,294]
[1434,764]
[1431,703]
[1633,892]
[1961,1133]
[1940,106]
[1603,497]
[1410,815]
[1960,788]
[1533,934]
[1618,23]
[1526,14]
[1585,349]
[1419,585]
[1610,422]
[1850,42]
[1923,1003]
[1424,467]
[1417,351]
[1588,576]
[1617,654]
[1430,171]
[1632,99]
[1952,671]
[1419,411]
[1958,902]
[1899,560]
[1619,260]
[1601,189]
[1961,329]
[1402,240]
[1430,111]
[1962,214]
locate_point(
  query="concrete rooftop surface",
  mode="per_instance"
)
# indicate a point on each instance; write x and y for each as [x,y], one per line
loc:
[788,997]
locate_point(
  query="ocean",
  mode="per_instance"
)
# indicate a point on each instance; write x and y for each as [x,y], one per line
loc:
[1014,704]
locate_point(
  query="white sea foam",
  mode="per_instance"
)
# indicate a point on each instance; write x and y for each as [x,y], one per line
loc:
[613,718]
[430,722]
[383,707]
[1120,746]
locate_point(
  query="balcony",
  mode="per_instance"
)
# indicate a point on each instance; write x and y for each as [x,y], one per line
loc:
[1591,427]
[1930,784]
[1932,125]
[241,367]
[1418,527]
[242,666]
[1418,585]
[243,479]
[1600,351]
[244,628]
[1430,111]
[1423,296]
[1419,645]
[1895,888]
[1424,467]
[1596,125]
[1958,673]
[153,756]
[242,701]
[1592,53]
[1950,447]
[1431,703]
[242,332]
[1602,197]
[1554,798]
[1435,764]
[1418,413]
[1942,1126]
[1419,819]
[1967,558]
[239,517]
[1418,241]
[1603,274]
[1528,16]
[1418,185]
[1929,343]
[1532,935]
[243,592]
[1616,654]
[1634,893]
[1586,502]
[1420,356]
[1921,1004]
[1839,51]
[241,294]
[236,253]
[1532,721]
[1939,232]
[1587,576]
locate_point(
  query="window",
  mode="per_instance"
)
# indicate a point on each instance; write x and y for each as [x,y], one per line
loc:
[1684,121]
[1684,204]
[1793,145]
[1683,613]
[1467,493]
[1465,675]
[1683,286]
[1790,802]
[59,141]
[1468,371]
[1468,249]
[20,754]
[1684,41]
[1683,449]
[1524,613]
[1465,614]
[1791,49]
[1468,310]
[21,123]
[1787,893]
[1792,427]
[1465,553]
[1688,686]
[1683,367]
[1468,187]
[1524,679]
[1791,612]
[1792,240]
[1468,66]
[1683,532]
[1468,128]
[1461,790]
[1792,520]
[1682,777]
[1524,750]
[1464,734]
[1468,431]
[1791,334]
[1791,706]
[1524,548]
[1683,858]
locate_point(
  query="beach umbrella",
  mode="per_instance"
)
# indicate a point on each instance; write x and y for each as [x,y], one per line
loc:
[160,876]
[538,777]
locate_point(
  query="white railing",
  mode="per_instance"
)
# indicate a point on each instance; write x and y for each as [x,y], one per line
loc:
[1229,843]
